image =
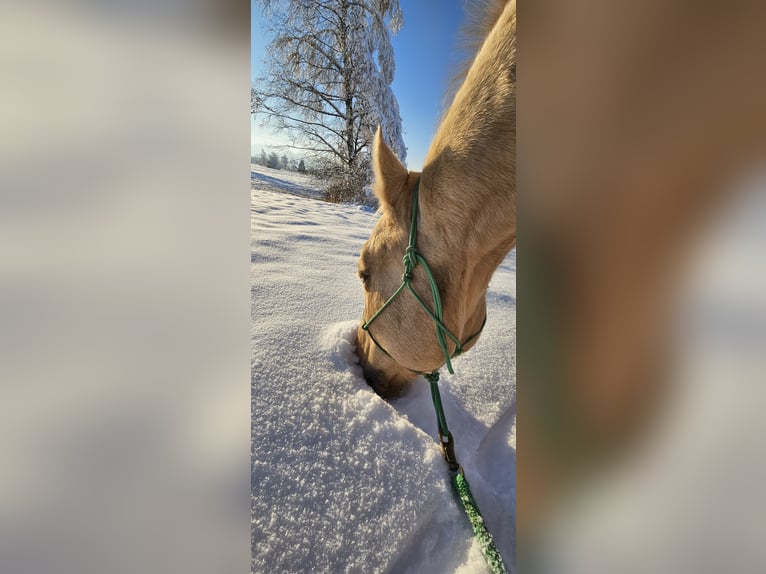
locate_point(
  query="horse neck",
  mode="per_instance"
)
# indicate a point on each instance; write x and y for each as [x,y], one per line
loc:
[468,181]
[465,240]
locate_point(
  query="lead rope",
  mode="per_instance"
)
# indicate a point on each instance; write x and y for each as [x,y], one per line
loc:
[460,483]
[412,258]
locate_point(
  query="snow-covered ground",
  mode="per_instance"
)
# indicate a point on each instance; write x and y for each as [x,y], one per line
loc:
[292,182]
[342,480]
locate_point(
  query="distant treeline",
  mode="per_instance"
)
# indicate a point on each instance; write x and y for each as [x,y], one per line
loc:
[337,184]
[275,161]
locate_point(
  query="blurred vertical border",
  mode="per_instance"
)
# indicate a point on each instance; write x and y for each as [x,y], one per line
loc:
[124,286]
[642,286]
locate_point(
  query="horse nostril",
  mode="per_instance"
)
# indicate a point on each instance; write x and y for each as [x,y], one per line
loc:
[375,379]
[382,384]
[371,376]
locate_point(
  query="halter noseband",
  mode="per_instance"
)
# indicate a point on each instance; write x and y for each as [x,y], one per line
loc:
[412,258]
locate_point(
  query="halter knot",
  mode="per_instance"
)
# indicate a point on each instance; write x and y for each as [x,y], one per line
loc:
[410,260]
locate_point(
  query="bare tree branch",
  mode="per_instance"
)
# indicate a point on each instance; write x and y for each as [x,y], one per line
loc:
[330,66]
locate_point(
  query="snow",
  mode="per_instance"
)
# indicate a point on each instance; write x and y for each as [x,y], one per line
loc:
[342,480]
[262,177]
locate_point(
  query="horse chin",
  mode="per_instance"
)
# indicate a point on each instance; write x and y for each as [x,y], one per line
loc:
[389,381]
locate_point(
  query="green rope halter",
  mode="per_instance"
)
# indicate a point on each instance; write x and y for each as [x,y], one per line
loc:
[412,258]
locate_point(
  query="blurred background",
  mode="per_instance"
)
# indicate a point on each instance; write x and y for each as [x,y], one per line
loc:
[641,331]
[124,310]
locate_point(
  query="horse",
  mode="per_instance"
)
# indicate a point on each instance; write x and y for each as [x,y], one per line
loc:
[464,218]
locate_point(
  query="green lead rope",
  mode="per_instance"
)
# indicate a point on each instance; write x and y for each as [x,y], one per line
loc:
[461,486]
[486,543]
[412,258]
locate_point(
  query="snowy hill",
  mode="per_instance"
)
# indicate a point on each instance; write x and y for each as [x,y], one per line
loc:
[262,177]
[344,481]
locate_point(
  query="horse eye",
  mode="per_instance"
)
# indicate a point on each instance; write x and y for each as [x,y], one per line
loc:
[364,276]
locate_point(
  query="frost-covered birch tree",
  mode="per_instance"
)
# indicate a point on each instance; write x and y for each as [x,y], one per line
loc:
[330,66]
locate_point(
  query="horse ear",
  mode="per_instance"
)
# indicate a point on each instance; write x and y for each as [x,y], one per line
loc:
[390,173]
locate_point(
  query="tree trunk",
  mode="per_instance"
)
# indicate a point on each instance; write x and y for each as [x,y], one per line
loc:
[348,89]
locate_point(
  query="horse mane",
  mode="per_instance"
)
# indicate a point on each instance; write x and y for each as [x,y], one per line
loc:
[481,17]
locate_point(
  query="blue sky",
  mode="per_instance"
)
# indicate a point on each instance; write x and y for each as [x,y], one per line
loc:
[426,50]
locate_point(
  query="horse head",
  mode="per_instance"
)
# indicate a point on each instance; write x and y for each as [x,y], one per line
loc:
[443,232]
[415,313]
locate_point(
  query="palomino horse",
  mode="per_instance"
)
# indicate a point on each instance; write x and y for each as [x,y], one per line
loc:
[465,218]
